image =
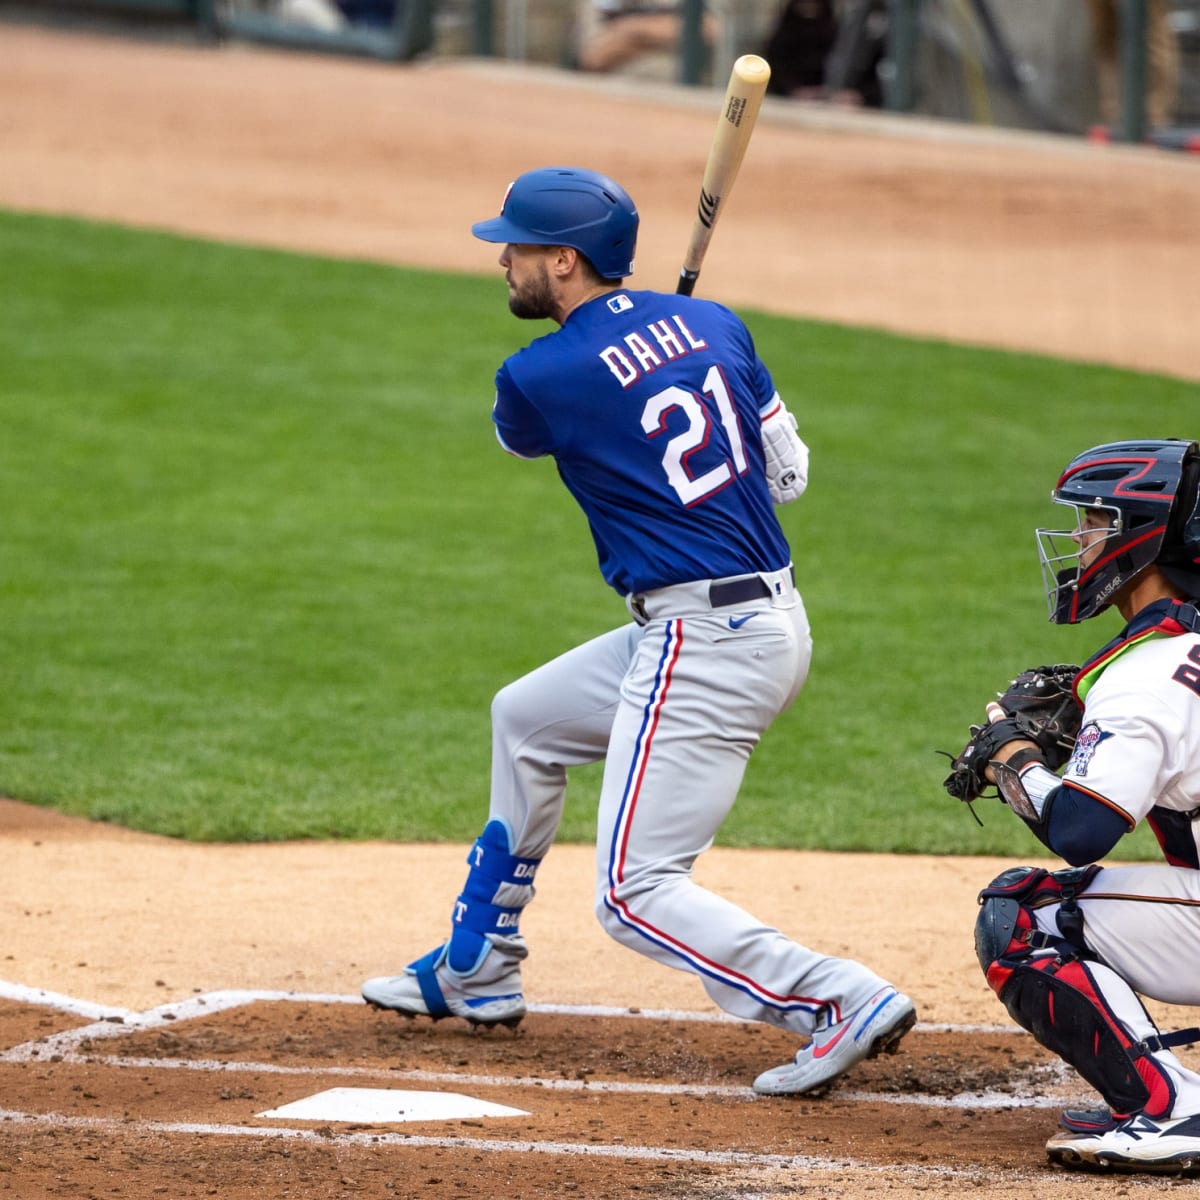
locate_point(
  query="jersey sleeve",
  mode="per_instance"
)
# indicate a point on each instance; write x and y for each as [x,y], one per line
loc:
[1126,753]
[1080,828]
[520,427]
[761,385]
[764,386]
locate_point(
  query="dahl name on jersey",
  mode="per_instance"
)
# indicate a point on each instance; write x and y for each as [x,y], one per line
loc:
[640,353]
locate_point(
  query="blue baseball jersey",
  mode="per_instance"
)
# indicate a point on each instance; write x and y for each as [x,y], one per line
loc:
[651,405]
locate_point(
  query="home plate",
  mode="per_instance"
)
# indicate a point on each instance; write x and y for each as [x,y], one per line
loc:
[389,1105]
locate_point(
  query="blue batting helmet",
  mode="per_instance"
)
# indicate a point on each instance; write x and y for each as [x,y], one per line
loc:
[569,206]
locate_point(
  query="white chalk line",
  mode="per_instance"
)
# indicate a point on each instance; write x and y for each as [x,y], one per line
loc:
[218,1001]
[963,1100]
[111,1023]
[325,1137]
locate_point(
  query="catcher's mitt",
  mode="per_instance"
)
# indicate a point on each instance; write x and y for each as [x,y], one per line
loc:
[1039,707]
[1042,701]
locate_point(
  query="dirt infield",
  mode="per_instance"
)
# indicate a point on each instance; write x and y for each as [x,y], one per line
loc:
[609,1107]
[128,1066]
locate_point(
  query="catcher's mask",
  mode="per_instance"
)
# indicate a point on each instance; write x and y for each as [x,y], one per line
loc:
[569,206]
[1136,504]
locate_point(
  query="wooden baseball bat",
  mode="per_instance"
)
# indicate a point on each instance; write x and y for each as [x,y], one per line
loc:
[743,99]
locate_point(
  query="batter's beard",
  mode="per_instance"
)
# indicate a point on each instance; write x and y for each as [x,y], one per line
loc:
[533,300]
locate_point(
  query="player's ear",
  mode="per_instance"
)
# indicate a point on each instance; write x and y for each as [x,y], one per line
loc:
[566,261]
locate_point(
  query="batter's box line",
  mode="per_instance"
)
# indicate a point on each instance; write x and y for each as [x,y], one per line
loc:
[115,1022]
[1067,1096]
[325,1137]
[118,1022]
[229,998]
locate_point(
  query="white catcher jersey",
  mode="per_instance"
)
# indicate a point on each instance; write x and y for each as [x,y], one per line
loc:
[1138,750]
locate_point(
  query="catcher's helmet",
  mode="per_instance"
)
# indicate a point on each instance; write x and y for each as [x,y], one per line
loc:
[1141,499]
[569,206]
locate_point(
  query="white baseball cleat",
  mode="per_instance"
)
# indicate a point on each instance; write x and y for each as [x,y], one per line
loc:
[1167,1146]
[875,1028]
[489,995]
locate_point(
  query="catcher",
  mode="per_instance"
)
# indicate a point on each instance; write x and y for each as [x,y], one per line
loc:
[1070,952]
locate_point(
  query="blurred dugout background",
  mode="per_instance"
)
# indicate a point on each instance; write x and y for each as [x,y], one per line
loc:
[1126,70]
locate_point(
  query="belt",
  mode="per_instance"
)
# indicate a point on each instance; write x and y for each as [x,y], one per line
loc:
[740,591]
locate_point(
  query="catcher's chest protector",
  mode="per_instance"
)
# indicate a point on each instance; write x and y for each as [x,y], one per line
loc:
[1049,989]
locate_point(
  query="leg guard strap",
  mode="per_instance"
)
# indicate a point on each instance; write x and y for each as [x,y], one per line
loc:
[1168,1041]
[481,917]
[423,969]
[489,858]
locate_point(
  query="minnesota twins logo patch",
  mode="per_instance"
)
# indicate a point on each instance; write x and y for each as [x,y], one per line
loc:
[1090,737]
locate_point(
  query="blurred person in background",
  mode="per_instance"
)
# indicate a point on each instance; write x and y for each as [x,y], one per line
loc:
[1162,61]
[616,35]
[801,49]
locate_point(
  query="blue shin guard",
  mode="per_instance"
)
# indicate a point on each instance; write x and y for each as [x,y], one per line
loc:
[499,884]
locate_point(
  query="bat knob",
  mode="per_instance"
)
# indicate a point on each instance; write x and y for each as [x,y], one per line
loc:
[752,68]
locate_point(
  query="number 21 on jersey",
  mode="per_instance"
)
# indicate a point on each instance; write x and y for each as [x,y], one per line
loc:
[690,488]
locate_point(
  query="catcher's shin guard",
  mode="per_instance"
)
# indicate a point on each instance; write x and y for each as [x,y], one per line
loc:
[1073,1005]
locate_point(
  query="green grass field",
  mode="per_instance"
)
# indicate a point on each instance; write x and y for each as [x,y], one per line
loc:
[263,565]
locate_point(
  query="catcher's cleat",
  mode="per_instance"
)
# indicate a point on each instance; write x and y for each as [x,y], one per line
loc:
[875,1028]
[490,994]
[1137,1144]
[1089,1120]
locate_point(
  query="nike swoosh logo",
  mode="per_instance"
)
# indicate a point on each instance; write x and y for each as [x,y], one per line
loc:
[824,1048]
[738,622]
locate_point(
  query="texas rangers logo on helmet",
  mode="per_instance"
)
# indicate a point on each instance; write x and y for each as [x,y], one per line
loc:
[1090,737]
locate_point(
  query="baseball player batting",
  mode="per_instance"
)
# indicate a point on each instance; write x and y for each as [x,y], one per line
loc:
[1070,952]
[668,431]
